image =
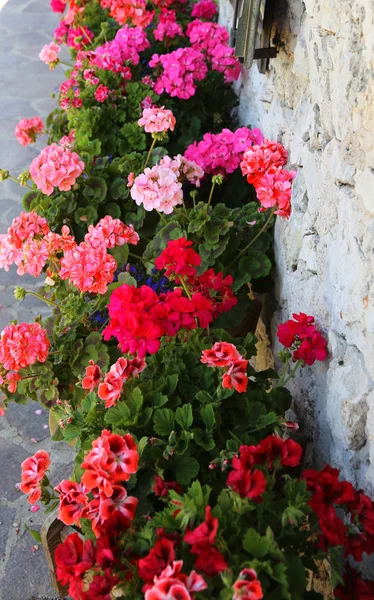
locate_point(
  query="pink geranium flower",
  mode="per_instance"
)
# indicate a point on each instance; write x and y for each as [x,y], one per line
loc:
[56,167]
[49,54]
[27,130]
[157,120]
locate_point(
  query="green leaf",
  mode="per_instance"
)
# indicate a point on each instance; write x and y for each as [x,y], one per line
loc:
[164,421]
[186,468]
[184,416]
[207,415]
[71,433]
[95,188]
[253,265]
[134,400]
[142,444]
[34,533]
[85,215]
[119,415]
[171,384]
[204,439]
[203,396]
[259,546]
[159,399]
[119,189]
[121,254]
[113,210]
[255,544]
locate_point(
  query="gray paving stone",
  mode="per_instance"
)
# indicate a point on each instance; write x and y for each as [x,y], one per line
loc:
[9,108]
[7,516]
[26,573]
[11,458]
[23,418]
[26,85]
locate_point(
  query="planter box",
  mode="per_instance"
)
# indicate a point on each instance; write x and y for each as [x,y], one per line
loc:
[53,533]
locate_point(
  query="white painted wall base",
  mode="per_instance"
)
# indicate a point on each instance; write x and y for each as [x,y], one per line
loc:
[318,100]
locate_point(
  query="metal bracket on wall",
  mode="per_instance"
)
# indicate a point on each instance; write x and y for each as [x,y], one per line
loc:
[252,26]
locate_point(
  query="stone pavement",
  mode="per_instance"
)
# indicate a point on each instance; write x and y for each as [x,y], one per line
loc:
[25,89]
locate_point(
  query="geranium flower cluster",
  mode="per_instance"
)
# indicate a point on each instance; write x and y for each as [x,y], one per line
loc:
[160,187]
[100,494]
[167,26]
[110,387]
[330,494]
[272,452]
[56,167]
[225,356]
[180,261]
[124,48]
[29,243]
[27,130]
[174,584]
[205,9]
[247,586]
[88,265]
[263,166]
[157,120]
[49,55]
[202,539]
[139,317]
[301,336]
[212,40]
[34,469]
[180,70]
[222,153]
[21,345]
[133,11]
[355,587]
[87,568]
[76,37]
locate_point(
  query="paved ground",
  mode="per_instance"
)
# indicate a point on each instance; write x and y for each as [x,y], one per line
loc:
[25,88]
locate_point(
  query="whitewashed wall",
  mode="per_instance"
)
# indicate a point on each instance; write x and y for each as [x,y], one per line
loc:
[318,99]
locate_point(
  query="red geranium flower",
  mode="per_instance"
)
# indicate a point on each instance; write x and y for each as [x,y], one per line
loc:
[204,533]
[179,259]
[272,447]
[73,558]
[222,354]
[175,585]
[161,487]
[113,458]
[306,343]
[247,586]
[354,588]
[236,376]
[73,501]
[92,378]
[33,471]
[159,557]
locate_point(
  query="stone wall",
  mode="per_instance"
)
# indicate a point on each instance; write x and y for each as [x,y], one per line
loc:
[318,99]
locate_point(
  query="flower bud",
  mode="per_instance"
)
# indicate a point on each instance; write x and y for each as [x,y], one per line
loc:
[217,179]
[24,177]
[3,175]
[19,293]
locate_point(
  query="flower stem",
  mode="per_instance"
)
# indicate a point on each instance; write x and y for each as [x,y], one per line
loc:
[291,375]
[61,62]
[149,153]
[262,230]
[151,262]
[185,287]
[161,217]
[211,194]
[19,183]
[47,300]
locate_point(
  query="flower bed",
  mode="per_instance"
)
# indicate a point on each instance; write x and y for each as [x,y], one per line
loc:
[148,215]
